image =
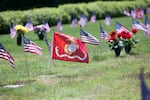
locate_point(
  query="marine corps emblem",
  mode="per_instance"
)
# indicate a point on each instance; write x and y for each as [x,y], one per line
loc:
[70,48]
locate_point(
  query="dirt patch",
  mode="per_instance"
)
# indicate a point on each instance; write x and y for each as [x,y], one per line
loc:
[23,82]
[48,79]
[18,84]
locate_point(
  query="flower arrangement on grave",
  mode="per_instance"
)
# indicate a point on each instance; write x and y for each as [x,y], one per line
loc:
[20,30]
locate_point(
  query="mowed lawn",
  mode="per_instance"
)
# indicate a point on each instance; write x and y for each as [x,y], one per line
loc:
[105,77]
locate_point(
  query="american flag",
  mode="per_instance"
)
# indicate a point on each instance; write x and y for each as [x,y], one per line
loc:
[12,30]
[83,20]
[148,10]
[139,13]
[5,55]
[147,24]
[120,28]
[29,25]
[133,13]
[48,44]
[88,38]
[138,25]
[126,12]
[31,47]
[103,34]
[93,18]
[107,19]
[59,25]
[145,91]
[74,22]
[142,12]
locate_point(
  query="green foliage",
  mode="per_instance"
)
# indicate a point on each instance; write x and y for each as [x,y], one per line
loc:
[65,12]
[2,25]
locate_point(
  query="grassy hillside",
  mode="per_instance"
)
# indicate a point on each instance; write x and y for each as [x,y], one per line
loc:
[104,78]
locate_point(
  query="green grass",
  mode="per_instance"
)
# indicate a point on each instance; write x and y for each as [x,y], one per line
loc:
[104,78]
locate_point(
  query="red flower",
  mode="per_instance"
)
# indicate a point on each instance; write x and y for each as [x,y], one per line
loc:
[124,35]
[134,31]
[128,35]
[113,33]
[112,36]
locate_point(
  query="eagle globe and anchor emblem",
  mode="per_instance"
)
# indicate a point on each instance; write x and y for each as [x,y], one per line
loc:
[70,48]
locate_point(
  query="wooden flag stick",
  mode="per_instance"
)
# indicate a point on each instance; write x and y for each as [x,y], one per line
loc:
[26,63]
[49,49]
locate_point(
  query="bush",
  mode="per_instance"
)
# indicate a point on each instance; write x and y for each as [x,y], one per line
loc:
[65,12]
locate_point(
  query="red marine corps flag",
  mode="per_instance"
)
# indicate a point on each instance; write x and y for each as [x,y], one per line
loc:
[68,48]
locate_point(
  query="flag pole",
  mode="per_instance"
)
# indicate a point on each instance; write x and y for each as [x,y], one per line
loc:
[51,46]
[49,49]
[26,63]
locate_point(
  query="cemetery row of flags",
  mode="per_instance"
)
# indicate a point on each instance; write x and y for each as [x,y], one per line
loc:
[74,22]
[134,13]
[135,25]
[84,36]
[138,12]
[72,49]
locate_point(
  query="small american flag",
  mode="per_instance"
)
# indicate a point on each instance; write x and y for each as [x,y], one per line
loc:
[139,13]
[133,13]
[139,25]
[31,47]
[103,34]
[120,28]
[83,20]
[59,25]
[88,38]
[147,24]
[48,44]
[5,55]
[148,10]
[29,25]
[93,18]
[142,12]
[126,12]
[12,30]
[107,19]
[74,22]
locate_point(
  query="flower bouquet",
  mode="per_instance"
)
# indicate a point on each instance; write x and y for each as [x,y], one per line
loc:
[124,39]
[128,39]
[20,30]
[41,30]
[114,43]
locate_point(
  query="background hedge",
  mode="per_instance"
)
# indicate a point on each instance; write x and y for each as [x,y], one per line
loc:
[64,12]
[27,4]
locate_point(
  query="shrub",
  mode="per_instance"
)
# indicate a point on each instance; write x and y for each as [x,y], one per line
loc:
[64,12]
